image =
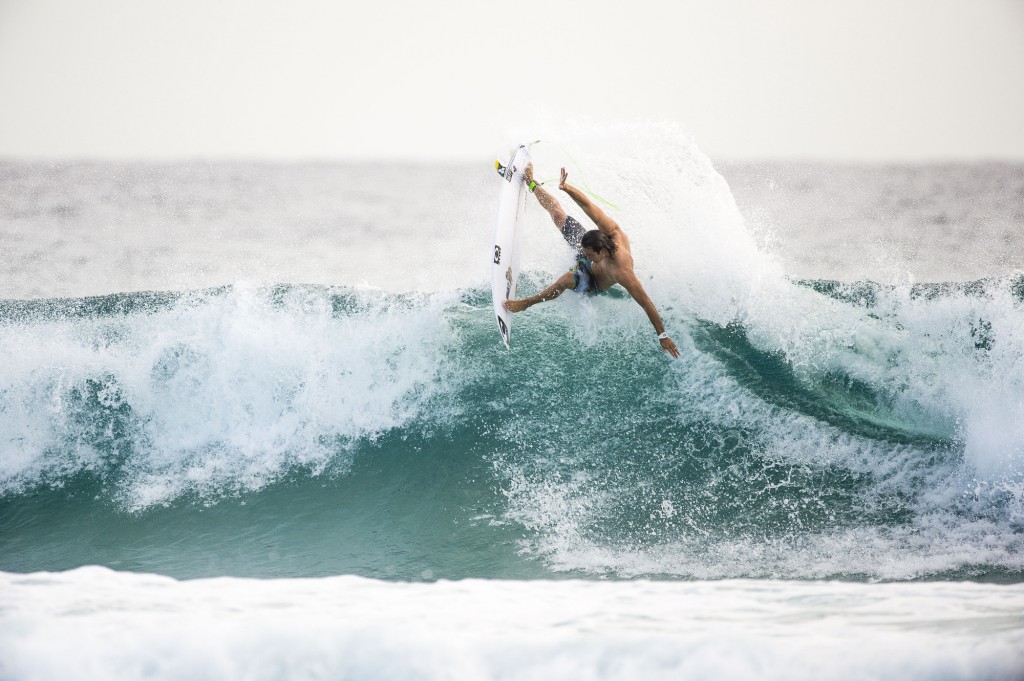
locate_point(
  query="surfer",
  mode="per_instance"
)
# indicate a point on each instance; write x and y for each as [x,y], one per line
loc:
[603,257]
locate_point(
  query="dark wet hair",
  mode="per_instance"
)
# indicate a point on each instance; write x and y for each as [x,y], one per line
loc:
[596,240]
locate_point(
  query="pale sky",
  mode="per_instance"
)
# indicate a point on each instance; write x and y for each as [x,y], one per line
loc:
[856,80]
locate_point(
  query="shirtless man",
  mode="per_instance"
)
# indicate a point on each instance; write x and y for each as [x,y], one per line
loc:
[603,257]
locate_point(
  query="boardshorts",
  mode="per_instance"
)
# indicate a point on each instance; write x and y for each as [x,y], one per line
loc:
[582,274]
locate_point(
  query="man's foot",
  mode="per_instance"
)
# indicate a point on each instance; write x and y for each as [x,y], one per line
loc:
[515,305]
[528,173]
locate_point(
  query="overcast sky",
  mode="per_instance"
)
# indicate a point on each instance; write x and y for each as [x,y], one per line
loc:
[826,79]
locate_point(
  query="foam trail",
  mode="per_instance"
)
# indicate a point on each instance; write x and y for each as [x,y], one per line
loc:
[94,623]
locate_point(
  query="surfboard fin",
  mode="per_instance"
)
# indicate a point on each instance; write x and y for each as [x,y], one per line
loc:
[500,168]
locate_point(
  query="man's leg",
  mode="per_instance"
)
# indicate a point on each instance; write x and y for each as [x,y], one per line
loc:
[546,200]
[566,281]
[550,204]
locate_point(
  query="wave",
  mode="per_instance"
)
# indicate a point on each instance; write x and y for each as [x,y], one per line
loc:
[810,428]
[583,449]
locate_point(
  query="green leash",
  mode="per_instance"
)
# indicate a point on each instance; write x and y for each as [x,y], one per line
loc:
[586,187]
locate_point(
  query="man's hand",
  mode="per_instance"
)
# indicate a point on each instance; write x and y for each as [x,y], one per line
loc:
[561,182]
[528,173]
[513,305]
[669,346]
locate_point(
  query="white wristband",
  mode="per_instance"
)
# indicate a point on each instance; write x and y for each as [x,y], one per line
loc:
[663,335]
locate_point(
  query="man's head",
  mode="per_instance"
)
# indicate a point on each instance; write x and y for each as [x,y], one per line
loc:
[597,246]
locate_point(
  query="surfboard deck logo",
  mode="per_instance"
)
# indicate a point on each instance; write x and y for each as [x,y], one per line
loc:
[507,233]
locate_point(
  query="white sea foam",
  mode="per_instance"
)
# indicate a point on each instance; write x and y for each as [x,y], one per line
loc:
[226,392]
[94,623]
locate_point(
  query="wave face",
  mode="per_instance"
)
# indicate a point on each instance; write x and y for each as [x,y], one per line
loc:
[810,429]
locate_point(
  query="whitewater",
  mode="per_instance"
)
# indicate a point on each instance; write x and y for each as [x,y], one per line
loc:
[256,421]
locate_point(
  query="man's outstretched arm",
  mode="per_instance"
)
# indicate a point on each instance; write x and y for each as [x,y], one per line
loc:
[600,218]
[636,289]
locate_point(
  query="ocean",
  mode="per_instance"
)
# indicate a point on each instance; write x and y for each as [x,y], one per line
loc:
[256,421]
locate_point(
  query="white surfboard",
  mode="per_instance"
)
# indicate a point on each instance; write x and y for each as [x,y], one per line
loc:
[507,233]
